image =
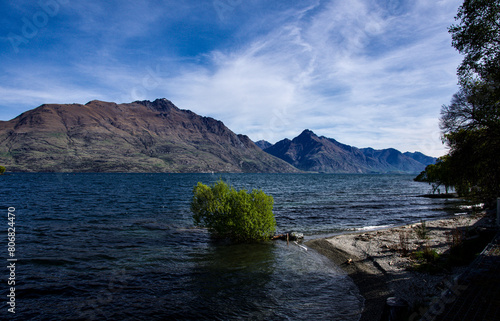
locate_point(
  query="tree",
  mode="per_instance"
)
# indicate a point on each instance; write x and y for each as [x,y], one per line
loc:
[2,170]
[471,122]
[474,163]
[477,36]
[438,174]
[237,215]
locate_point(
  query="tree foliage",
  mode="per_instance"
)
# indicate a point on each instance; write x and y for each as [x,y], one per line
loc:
[438,174]
[2,170]
[477,36]
[471,122]
[238,215]
[474,163]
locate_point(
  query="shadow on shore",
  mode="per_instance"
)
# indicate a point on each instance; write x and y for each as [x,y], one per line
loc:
[466,244]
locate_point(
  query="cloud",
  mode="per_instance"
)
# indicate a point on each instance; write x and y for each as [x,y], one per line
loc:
[365,72]
[326,73]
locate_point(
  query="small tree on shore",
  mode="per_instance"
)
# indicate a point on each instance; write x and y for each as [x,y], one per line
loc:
[237,215]
[2,170]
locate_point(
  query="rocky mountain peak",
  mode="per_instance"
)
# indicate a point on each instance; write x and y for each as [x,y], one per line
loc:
[263,144]
[161,105]
[309,152]
[306,134]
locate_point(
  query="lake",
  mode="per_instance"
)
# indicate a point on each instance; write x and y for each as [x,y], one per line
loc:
[123,246]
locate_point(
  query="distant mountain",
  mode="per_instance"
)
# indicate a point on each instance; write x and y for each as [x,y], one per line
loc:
[263,144]
[142,136]
[309,152]
[419,157]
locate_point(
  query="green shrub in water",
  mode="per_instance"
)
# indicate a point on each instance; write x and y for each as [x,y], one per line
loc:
[238,215]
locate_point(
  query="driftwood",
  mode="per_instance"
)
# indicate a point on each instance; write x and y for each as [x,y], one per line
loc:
[290,236]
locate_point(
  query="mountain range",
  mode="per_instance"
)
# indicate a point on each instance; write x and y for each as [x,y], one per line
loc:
[311,153]
[145,136]
[142,136]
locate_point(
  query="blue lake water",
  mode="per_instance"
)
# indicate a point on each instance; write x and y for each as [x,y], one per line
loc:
[123,246]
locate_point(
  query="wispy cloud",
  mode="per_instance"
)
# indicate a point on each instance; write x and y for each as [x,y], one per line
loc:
[365,72]
[341,71]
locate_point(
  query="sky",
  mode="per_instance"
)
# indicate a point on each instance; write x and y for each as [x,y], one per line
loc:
[368,73]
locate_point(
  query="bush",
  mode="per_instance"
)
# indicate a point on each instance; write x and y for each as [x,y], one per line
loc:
[427,260]
[237,215]
[2,170]
[426,255]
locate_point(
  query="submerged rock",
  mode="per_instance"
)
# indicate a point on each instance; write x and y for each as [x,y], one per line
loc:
[295,236]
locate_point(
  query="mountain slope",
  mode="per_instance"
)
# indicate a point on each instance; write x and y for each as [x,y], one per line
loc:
[309,152]
[142,136]
[419,157]
[263,144]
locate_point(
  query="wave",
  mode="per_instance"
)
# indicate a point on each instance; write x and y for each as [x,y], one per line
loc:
[374,227]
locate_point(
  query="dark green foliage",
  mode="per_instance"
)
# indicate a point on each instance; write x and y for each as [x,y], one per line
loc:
[2,170]
[470,244]
[438,174]
[464,248]
[477,36]
[472,166]
[237,215]
[426,255]
[475,164]
[427,260]
[471,122]
[474,107]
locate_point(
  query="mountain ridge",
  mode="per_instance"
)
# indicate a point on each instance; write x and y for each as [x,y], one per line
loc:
[157,136]
[141,136]
[312,153]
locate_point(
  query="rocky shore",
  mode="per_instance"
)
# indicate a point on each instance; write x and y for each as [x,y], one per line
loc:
[383,263]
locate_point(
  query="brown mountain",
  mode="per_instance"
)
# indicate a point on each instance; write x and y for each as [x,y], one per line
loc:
[309,152]
[142,136]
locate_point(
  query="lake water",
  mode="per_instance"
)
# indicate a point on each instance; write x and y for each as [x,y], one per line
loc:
[123,246]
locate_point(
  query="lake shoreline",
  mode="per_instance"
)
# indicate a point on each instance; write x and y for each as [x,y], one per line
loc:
[375,263]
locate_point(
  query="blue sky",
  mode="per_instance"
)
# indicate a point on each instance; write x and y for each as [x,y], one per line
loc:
[364,72]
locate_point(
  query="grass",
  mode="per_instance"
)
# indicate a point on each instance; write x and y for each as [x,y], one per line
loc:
[466,245]
[426,255]
[469,247]
[422,231]
[404,247]
[427,260]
